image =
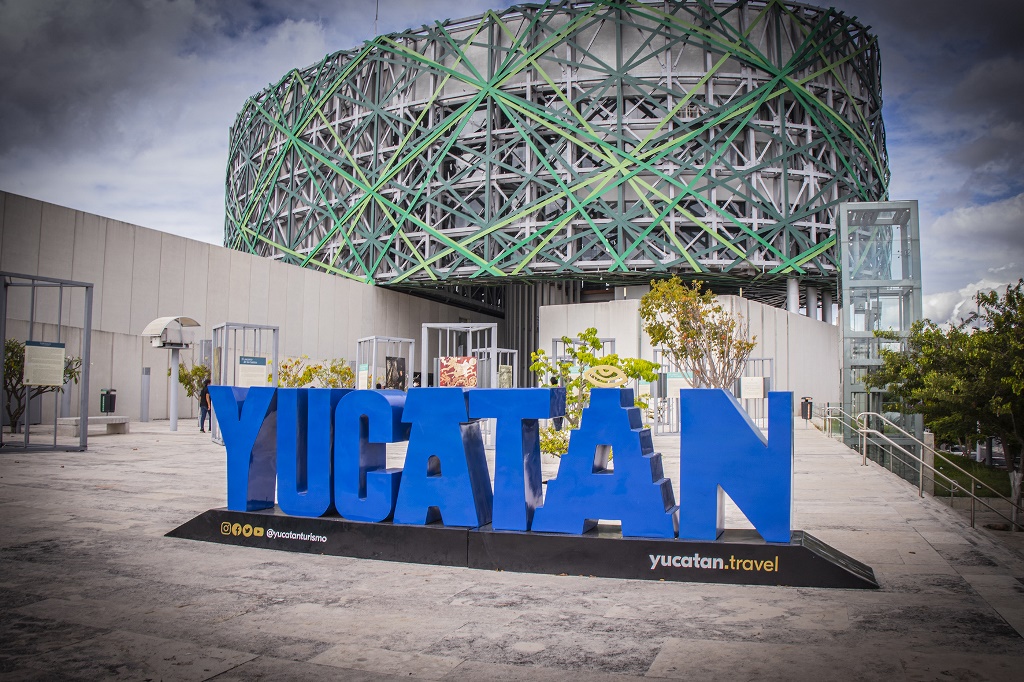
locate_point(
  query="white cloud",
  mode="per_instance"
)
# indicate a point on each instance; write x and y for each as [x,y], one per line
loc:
[951,307]
[123,109]
[974,243]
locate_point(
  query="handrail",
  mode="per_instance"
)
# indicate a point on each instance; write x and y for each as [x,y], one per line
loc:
[974,479]
[829,409]
[952,483]
[860,425]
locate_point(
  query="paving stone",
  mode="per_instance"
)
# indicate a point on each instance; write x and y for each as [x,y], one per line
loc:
[714,659]
[91,589]
[134,656]
[370,659]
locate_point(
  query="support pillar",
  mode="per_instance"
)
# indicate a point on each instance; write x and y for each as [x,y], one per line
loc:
[144,396]
[812,302]
[826,306]
[173,407]
[793,295]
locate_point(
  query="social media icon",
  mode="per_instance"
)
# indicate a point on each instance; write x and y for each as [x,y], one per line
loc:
[247,530]
[225,528]
[236,529]
[257,531]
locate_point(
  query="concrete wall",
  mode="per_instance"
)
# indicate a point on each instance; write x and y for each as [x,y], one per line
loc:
[141,274]
[806,353]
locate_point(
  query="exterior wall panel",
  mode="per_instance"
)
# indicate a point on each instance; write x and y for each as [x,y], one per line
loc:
[805,352]
[118,278]
[88,264]
[319,315]
[145,288]
[171,300]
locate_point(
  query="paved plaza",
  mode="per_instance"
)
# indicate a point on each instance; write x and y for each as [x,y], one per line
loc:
[91,589]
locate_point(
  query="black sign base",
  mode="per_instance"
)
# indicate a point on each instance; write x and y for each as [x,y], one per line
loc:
[738,557]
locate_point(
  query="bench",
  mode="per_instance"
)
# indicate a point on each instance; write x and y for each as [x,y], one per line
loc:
[70,426]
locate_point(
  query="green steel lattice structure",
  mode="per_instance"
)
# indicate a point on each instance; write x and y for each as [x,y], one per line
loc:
[569,140]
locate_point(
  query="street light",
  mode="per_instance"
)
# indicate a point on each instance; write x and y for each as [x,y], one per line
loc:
[169,333]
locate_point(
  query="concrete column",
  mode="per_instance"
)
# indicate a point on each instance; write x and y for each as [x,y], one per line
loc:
[826,306]
[793,295]
[173,407]
[144,396]
[812,302]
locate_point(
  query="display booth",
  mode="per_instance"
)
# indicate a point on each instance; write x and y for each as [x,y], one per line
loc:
[46,304]
[506,361]
[243,355]
[385,360]
[460,354]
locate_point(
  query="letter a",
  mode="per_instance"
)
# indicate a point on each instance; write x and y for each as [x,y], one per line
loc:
[445,467]
[722,451]
[635,491]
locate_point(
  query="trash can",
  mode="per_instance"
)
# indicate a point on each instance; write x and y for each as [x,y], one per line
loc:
[108,399]
[806,407]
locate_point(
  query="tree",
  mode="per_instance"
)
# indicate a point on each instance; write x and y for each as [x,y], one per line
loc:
[929,375]
[582,355]
[334,373]
[967,380]
[15,389]
[192,378]
[296,373]
[698,334]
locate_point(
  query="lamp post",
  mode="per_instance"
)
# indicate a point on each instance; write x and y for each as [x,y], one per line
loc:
[169,333]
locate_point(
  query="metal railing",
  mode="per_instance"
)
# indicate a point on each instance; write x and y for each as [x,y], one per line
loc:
[830,419]
[865,433]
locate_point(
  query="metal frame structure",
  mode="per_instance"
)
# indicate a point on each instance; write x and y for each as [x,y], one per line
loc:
[32,283]
[613,140]
[503,356]
[227,348]
[479,340]
[366,354]
[757,408]
[881,283]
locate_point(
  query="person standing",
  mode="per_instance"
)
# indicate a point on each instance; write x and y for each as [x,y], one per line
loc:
[205,406]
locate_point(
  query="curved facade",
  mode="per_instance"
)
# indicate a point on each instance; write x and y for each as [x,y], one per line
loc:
[575,140]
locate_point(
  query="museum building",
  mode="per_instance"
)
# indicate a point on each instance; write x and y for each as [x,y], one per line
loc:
[531,170]
[570,152]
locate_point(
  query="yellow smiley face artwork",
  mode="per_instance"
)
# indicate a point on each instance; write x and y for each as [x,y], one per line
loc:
[606,376]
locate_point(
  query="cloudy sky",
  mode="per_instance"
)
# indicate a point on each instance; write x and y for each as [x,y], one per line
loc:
[122,108]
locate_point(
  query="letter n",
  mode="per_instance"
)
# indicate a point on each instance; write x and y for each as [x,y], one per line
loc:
[722,451]
[247,418]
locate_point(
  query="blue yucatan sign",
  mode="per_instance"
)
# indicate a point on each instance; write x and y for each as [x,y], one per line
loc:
[323,450]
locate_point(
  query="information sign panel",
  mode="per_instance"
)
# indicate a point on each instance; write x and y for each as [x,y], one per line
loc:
[44,363]
[752,388]
[252,371]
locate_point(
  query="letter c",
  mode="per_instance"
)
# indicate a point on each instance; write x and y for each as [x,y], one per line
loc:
[364,488]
